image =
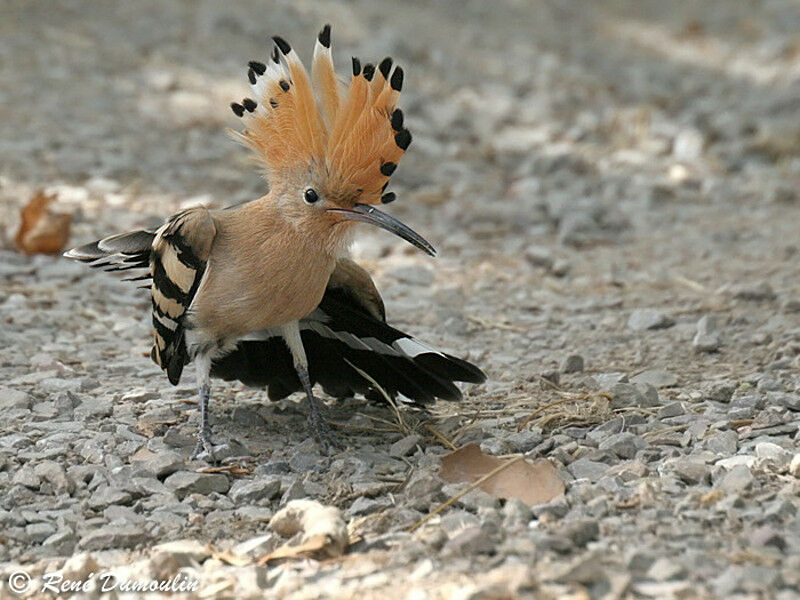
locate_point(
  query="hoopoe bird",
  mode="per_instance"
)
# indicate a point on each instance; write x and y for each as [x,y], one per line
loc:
[264,292]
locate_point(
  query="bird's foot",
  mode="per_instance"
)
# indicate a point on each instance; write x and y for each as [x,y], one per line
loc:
[204,450]
[319,428]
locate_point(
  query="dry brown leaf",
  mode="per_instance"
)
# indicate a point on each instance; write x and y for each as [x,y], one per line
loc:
[42,231]
[531,482]
[319,531]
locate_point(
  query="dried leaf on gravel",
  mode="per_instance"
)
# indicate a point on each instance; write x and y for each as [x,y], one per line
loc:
[316,530]
[531,482]
[42,231]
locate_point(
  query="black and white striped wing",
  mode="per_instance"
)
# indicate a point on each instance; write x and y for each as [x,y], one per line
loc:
[177,264]
[340,338]
[128,253]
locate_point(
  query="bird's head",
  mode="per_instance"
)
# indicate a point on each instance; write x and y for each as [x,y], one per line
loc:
[328,150]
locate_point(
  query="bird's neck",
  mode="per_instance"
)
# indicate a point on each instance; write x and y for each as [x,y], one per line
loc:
[269,217]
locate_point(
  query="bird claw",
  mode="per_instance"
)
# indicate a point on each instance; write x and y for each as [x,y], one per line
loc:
[204,450]
[319,428]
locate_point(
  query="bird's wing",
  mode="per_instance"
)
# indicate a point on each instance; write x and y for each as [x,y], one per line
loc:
[128,252]
[346,334]
[174,259]
[178,260]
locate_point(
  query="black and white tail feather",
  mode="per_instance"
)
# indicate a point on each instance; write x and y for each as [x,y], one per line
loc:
[341,337]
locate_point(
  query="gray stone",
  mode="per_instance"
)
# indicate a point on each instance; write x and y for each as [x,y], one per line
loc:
[744,578]
[561,267]
[140,395]
[182,550]
[759,292]
[54,474]
[274,467]
[244,415]
[163,463]
[468,542]
[230,449]
[405,446]
[583,468]
[721,391]
[572,364]
[673,409]
[295,491]
[782,194]
[643,319]
[526,440]
[541,256]
[62,542]
[114,536]
[773,452]
[626,395]
[27,476]
[690,471]
[767,536]
[658,378]
[256,491]
[107,495]
[184,483]
[456,520]
[55,385]
[582,532]
[516,514]
[737,480]
[93,407]
[624,445]
[723,443]
[598,224]
[747,460]
[304,461]
[586,569]
[688,145]
[606,381]
[38,532]
[794,466]
[365,506]
[785,400]
[666,569]
[11,398]
[707,338]
[769,383]
[423,489]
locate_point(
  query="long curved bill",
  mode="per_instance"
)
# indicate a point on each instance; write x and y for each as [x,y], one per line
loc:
[366,213]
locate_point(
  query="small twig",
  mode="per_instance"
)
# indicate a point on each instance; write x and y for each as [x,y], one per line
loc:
[471,487]
[439,436]
[400,421]
[665,430]
[232,469]
[540,410]
[690,283]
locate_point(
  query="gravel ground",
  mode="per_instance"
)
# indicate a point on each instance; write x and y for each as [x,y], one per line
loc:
[613,189]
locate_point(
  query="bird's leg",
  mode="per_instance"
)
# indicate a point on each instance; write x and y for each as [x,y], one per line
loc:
[318,426]
[203,369]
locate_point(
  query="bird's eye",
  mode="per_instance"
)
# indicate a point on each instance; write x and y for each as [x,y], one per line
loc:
[310,196]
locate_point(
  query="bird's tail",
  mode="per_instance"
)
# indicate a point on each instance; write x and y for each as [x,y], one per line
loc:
[349,351]
[121,252]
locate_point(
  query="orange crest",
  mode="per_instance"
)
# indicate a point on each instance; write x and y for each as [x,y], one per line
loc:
[355,133]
